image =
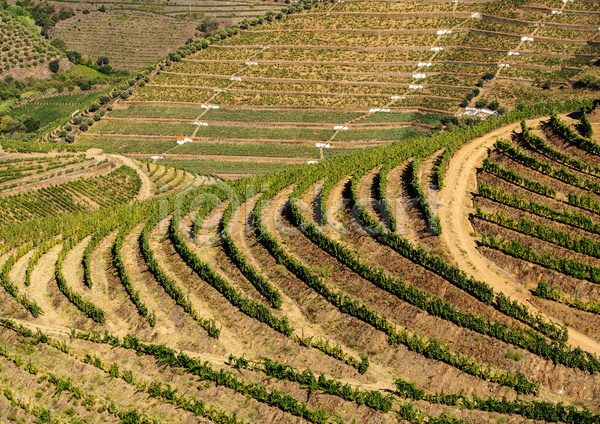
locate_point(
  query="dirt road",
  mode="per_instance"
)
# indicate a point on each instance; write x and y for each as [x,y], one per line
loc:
[456,198]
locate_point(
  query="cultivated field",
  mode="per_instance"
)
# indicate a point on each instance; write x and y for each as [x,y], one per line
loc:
[22,51]
[173,258]
[160,295]
[352,75]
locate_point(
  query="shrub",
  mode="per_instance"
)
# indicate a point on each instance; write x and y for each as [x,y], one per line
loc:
[69,138]
[54,66]
[481,103]
[68,127]
[94,107]
[77,120]
[97,116]
[103,99]
[84,126]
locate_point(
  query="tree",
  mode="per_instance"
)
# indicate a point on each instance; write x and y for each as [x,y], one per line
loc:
[60,44]
[105,69]
[102,60]
[481,103]
[103,99]
[586,126]
[30,123]
[74,57]
[208,25]
[494,105]
[54,66]
[590,81]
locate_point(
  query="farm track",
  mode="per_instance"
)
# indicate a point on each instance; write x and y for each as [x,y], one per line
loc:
[426,31]
[460,182]
[146,187]
[267,107]
[399,48]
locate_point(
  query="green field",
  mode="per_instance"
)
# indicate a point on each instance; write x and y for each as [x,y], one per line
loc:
[247,149]
[124,146]
[392,134]
[384,117]
[246,115]
[54,108]
[173,112]
[142,128]
[264,133]
[209,166]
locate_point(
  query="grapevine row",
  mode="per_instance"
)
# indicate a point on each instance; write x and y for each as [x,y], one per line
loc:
[533,409]
[170,286]
[583,245]
[85,306]
[570,267]
[433,221]
[248,306]
[430,348]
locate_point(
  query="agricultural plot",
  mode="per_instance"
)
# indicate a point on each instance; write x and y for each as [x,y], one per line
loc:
[224,11]
[49,110]
[128,36]
[537,211]
[125,146]
[118,187]
[358,70]
[372,324]
[21,46]
[354,288]
[15,169]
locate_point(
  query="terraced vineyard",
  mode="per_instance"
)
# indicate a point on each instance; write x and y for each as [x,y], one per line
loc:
[352,75]
[228,11]
[422,268]
[51,110]
[273,298]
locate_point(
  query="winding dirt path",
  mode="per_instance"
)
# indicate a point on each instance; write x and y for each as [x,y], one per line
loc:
[146,188]
[456,204]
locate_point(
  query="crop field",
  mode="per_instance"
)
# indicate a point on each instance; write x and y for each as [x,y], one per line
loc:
[54,108]
[115,188]
[127,36]
[317,293]
[351,76]
[18,169]
[537,211]
[223,10]
[335,241]
[21,46]
[128,29]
